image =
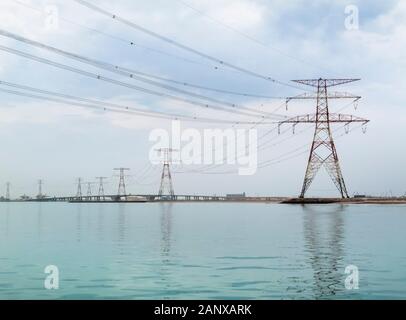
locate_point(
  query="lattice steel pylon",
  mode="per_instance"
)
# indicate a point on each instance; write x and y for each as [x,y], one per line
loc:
[166,186]
[323,151]
[89,189]
[8,184]
[101,186]
[121,185]
[79,188]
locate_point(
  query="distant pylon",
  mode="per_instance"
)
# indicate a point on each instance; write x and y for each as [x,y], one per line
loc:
[166,186]
[89,189]
[101,186]
[79,188]
[121,185]
[8,184]
[40,183]
[323,150]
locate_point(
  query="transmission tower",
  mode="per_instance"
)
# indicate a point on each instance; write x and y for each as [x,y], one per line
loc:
[8,184]
[89,189]
[40,184]
[79,188]
[323,150]
[121,184]
[166,187]
[101,186]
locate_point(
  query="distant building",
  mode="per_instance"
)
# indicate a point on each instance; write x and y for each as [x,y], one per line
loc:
[236,195]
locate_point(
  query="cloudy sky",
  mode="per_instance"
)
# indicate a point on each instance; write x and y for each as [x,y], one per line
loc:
[282,39]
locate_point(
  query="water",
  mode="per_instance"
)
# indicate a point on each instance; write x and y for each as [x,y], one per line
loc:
[202,251]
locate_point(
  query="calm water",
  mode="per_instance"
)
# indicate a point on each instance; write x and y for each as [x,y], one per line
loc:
[202,251]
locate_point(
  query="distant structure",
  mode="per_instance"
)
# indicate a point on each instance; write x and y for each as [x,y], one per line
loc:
[89,189]
[40,184]
[235,195]
[79,188]
[166,186]
[8,184]
[101,186]
[121,185]
[323,150]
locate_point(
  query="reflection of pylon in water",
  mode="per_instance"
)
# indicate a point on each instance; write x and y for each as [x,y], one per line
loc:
[166,187]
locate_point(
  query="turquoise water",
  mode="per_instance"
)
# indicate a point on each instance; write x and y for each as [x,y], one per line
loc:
[202,251]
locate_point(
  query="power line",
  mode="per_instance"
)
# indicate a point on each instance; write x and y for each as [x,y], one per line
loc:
[120,83]
[278,159]
[106,106]
[263,146]
[133,74]
[117,38]
[182,46]
[247,36]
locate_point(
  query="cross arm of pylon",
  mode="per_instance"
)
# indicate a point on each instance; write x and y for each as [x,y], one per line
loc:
[333,95]
[327,82]
[333,118]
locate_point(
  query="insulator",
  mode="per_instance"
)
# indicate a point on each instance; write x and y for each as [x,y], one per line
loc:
[286,105]
[347,128]
[294,129]
[355,104]
[279,129]
[364,129]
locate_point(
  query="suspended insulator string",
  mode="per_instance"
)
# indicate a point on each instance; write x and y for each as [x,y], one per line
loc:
[182,46]
[119,70]
[123,84]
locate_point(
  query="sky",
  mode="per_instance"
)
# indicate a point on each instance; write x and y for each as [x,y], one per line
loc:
[285,40]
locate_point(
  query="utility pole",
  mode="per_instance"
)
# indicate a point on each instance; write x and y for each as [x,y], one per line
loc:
[166,186]
[101,187]
[323,150]
[8,184]
[121,184]
[79,188]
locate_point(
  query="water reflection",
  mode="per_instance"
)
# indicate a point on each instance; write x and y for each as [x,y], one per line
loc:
[78,222]
[39,220]
[122,228]
[324,236]
[100,222]
[7,223]
[166,229]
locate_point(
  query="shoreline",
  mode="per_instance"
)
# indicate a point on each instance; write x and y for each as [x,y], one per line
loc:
[278,200]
